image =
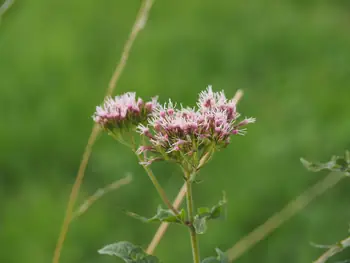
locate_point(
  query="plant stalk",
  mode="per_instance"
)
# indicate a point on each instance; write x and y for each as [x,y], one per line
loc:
[334,250]
[190,208]
[158,187]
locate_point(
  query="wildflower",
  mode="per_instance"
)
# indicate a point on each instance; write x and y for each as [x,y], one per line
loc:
[143,149]
[178,132]
[209,101]
[123,112]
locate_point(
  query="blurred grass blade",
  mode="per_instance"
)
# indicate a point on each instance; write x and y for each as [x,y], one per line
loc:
[139,24]
[5,6]
[291,209]
[336,164]
[100,193]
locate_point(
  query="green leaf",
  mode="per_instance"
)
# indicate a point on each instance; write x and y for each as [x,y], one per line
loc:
[162,215]
[217,210]
[203,210]
[210,260]
[205,214]
[128,252]
[200,224]
[336,164]
[221,258]
[347,157]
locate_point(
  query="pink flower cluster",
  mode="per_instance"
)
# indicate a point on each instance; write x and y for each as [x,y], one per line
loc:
[123,111]
[189,130]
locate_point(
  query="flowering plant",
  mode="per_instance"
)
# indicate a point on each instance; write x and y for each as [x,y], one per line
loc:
[182,135]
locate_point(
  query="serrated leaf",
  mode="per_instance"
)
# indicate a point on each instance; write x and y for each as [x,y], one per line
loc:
[128,252]
[162,215]
[336,164]
[221,258]
[121,249]
[205,214]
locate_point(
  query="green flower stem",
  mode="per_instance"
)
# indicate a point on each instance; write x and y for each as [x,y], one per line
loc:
[153,179]
[158,186]
[190,208]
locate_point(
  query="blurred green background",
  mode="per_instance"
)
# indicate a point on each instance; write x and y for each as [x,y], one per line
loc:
[292,59]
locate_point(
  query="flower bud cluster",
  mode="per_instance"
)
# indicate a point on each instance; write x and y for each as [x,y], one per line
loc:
[178,133]
[123,112]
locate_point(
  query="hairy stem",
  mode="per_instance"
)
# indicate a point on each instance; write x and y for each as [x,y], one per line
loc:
[190,211]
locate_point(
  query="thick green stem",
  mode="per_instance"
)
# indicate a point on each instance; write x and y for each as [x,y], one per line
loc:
[190,208]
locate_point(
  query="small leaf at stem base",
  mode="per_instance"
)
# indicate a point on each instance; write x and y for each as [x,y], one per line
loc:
[205,214]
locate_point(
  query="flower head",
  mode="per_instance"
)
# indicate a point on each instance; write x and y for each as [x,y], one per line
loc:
[178,132]
[213,101]
[124,111]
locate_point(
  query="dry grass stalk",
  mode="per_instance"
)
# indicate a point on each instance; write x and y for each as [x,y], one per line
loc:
[139,24]
[100,193]
[164,226]
[333,250]
[291,209]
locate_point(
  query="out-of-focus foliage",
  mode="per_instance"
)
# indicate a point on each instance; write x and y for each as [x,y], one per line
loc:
[336,164]
[128,252]
[292,59]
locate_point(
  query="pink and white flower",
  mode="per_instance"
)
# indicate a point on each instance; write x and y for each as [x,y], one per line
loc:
[123,111]
[188,130]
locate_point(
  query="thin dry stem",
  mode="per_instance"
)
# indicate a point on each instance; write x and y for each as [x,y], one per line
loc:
[238,96]
[6,6]
[100,193]
[286,213]
[139,24]
[74,194]
[163,227]
[337,248]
